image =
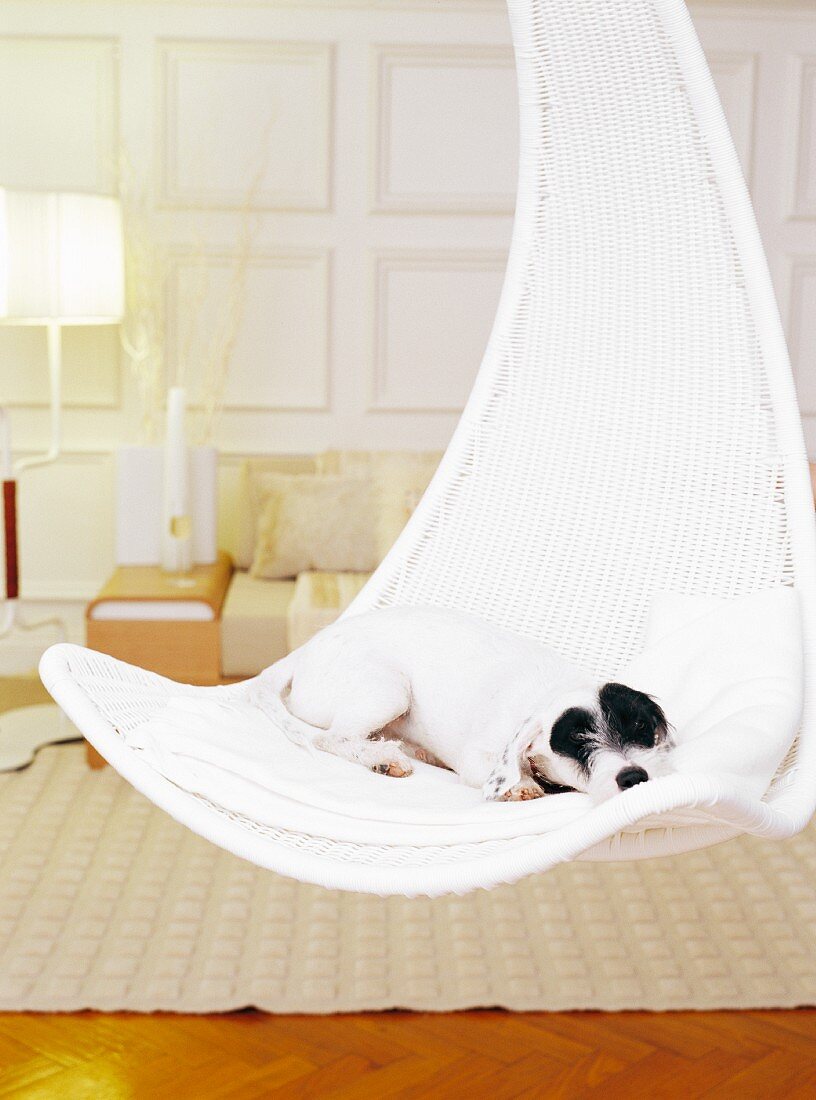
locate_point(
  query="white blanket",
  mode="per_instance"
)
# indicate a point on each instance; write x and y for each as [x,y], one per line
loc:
[727,672]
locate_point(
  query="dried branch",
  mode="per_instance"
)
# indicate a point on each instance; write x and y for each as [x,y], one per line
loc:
[142,332]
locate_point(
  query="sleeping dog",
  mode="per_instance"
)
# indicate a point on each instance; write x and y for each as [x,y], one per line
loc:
[506,714]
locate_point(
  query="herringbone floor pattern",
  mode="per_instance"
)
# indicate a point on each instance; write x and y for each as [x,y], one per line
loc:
[248,1055]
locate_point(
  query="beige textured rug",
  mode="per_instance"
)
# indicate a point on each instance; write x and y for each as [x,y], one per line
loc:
[107,903]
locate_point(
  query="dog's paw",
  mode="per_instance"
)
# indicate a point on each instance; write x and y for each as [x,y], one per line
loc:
[395,769]
[387,758]
[521,792]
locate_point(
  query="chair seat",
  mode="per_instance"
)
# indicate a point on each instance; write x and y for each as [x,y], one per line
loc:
[435,837]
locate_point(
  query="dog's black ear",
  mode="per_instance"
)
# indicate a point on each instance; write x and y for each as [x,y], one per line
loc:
[574,735]
[633,715]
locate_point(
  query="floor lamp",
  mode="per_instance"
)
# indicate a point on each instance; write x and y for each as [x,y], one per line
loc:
[61,263]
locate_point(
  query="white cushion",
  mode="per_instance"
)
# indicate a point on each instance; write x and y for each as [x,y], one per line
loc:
[728,672]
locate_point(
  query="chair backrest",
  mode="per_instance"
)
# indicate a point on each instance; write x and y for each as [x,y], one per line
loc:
[634,425]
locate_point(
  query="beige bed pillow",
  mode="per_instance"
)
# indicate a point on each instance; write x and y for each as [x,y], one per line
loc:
[248,497]
[399,479]
[324,522]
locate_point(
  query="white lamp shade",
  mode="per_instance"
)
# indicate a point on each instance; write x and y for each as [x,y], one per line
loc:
[61,257]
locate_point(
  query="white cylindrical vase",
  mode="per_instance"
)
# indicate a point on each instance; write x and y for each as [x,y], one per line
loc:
[177,527]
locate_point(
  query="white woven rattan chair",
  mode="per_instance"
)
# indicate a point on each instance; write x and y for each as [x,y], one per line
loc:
[633,429]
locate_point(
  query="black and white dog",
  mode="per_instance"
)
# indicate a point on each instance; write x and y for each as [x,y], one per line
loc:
[505,713]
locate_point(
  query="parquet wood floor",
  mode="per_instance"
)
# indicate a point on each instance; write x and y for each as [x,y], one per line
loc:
[249,1055]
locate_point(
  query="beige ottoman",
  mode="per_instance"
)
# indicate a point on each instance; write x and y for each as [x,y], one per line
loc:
[317,601]
[254,624]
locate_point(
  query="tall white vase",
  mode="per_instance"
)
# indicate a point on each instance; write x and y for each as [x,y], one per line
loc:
[177,527]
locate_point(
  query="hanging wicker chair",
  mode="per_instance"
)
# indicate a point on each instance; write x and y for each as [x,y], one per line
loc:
[633,429]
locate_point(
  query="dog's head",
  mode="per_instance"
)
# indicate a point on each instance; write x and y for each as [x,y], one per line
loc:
[602,742]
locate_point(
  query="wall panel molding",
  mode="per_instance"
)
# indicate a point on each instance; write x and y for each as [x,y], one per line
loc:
[280,355]
[91,375]
[428,340]
[804,150]
[419,153]
[735,74]
[227,109]
[802,329]
[63,133]
[66,526]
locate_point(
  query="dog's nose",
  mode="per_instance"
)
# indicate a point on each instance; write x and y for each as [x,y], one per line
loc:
[630,777]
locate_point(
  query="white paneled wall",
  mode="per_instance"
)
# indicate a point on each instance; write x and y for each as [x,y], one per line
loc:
[376,145]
